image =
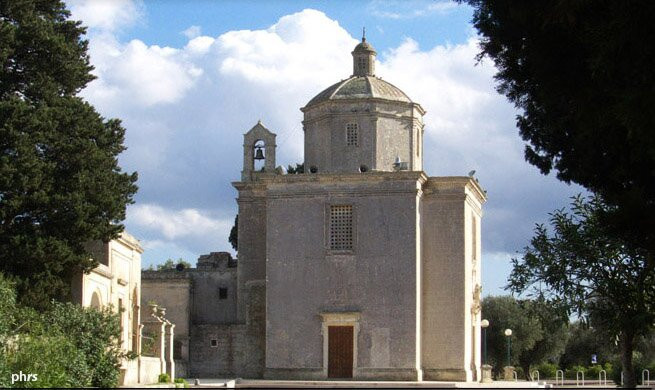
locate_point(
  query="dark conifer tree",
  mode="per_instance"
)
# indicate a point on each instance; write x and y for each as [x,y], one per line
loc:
[60,182]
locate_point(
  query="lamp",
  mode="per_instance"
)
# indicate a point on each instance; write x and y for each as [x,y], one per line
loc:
[484,324]
[508,333]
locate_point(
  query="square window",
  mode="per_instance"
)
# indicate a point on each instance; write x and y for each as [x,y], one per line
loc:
[222,293]
[352,136]
[341,227]
[213,343]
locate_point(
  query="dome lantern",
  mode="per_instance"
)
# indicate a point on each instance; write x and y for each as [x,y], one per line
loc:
[364,58]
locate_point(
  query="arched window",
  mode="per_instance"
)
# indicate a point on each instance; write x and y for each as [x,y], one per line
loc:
[96,303]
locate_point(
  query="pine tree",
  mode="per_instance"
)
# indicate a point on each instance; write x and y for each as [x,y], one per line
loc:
[60,183]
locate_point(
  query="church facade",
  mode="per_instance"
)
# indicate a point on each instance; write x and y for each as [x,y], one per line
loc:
[371,267]
[361,267]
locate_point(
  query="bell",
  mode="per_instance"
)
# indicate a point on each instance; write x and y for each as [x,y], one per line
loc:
[259,154]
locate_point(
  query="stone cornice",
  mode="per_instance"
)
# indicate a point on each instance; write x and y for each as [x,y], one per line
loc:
[346,101]
[129,241]
[103,271]
[452,185]
[370,177]
[370,114]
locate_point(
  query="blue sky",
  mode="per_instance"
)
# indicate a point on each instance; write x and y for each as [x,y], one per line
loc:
[189,78]
[388,22]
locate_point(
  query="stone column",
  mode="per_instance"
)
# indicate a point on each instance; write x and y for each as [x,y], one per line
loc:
[156,327]
[137,347]
[170,337]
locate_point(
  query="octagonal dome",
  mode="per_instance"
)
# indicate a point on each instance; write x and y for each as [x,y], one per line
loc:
[361,87]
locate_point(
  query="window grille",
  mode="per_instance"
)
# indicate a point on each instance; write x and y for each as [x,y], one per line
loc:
[341,227]
[352,138]
[362,64]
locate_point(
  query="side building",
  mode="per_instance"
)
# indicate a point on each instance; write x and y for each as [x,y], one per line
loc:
[116,283]
[202,302]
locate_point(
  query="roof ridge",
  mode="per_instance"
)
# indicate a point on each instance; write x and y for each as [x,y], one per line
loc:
[370,85]
[341,85]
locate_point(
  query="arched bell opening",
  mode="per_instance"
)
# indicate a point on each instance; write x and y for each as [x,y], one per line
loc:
[259,156]
[258,152]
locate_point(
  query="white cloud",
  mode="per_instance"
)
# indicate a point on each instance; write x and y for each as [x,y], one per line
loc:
[192,32]
[199,45]
[107,15]
[135,73]
[174,224]
[185,110]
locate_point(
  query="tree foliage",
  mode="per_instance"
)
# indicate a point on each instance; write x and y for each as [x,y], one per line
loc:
[234,234]
[583,342]
[538,331]
[583,266]
[172,264]
[60,182]
[297,169]
[41,342]
[582,74]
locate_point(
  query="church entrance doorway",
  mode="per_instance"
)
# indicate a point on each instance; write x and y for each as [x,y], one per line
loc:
[340,351]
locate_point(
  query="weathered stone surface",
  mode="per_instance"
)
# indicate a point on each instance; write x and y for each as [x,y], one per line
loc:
[356,241]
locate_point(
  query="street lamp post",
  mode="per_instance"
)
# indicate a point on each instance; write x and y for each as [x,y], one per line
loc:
[484,324]
[508,333]
[486,368]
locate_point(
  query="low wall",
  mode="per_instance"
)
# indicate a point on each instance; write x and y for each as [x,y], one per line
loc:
[129,372]
[149,369]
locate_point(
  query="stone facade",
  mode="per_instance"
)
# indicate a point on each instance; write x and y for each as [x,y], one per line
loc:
[363,267]
[202,302]
[116,282]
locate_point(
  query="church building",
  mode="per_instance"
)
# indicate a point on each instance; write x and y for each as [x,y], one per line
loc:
[361,267]
[371,267]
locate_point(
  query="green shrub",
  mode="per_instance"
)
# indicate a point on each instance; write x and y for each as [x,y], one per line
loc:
[547,370]
[164,378]
[181,383]
[572,372]
[96,336]
[609,369]
[65,346]
[53,359]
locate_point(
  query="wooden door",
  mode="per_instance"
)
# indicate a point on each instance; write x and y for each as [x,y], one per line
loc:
[340,351]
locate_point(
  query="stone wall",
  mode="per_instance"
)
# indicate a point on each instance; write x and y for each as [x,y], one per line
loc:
[222,350]
[447,322]
[172,290]
[208,307]
[149,370]
[192,296]
[378,279]
[252,239]
[385,131]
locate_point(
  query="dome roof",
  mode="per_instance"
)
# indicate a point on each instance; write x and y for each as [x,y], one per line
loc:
[364,46]
[361,87]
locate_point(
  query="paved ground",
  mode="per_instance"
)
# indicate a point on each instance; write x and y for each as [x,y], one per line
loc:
[259,383]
